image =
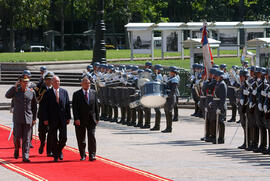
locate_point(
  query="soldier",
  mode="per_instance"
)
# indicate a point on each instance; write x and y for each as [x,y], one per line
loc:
[219,105]
[24,115]
[233,83]
[43,70]
[195,93]
[177,95]
[43,129]
[260,98]
[89,68]
[242,106]
[158,77]
[170,101]
[254,130]
[209,89]
[266,107]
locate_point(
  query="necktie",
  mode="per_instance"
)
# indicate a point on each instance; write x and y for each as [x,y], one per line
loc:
[86,96]
[57,96]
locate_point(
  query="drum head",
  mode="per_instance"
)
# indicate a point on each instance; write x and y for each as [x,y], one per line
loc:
[153,101]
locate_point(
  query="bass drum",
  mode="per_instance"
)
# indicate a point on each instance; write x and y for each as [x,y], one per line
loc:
[153,95]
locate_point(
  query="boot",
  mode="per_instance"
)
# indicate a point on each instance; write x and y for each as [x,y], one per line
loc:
[168,122]
[147,118]
[196,110]
[140,118]
[234,110]
[128,116]
[157,121]
[175,108]
[115,114]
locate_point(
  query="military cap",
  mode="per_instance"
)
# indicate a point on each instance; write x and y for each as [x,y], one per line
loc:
[215,66]
[219,73]
[245,62]
[244,72]
[195,65]
[223,66]
[148,64]
[111,67]
[258,69]
[89,67]
[49,75]
[42,68]
[200,66]
[96,64]
[235,67]
[86,75]
[134,68]
[212,71]
[105,66]
[252,68]
[128,67]
[122,67]
[263,70]
[158,67]
[140,70]
[148,70]
[27,73]
[173,69]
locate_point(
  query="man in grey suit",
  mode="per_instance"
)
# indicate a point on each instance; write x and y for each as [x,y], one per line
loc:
[24,115]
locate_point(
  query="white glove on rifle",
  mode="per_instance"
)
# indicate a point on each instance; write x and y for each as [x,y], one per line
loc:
[245,92]
[242,102]
[260,107]
[263,93]
[254,92]
[265,109]
[251,105]
[218,111]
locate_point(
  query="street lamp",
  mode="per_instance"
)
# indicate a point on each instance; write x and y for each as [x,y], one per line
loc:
[99,54]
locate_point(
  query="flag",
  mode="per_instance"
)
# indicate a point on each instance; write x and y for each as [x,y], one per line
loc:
[207,54]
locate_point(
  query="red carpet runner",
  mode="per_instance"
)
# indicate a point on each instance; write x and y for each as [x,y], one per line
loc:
[71,168]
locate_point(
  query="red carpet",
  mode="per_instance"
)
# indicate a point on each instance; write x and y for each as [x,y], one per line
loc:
[71,168]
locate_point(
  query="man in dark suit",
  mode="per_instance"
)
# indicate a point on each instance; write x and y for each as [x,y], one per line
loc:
[57,116]
[86,117]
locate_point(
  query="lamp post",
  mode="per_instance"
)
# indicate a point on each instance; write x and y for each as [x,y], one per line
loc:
[99,54]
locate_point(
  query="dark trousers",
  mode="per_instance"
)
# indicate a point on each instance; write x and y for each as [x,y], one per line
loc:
[43,132]
[80,135]
[22,131]
[58,142]
[175,108]
[147,116]
[157,118]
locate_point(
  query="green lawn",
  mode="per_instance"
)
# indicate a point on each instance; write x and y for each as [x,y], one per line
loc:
[186,63]
[81,55]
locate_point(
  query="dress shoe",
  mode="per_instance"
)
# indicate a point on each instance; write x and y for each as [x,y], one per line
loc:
[155,128]
[249,148]
[175,119]
[203,139]
[16,154]
[49,154]
[26,160]
[114,120]
[92,157]
[194,114]
[145,127]
[55,159]
[261,149]
[41,148]
[231,120]
[266,152]
[31,146]
[139,125]
[101,117]
[167,130]
[242,147]
[209,139]
[61,156]
[82,158]
[238,121]
[220,141]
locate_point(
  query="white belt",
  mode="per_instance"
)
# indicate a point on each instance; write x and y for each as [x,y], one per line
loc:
[202,96]
[216,99]
[209,95]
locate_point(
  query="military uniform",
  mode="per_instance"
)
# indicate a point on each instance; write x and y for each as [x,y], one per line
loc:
[171,99]
[25,109]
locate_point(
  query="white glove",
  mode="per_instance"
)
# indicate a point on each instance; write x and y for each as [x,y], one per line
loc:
[218,111]
[254,92]
[199,103]
[242,102]
[251,105]
[268,94]
[263,93]
[260,107]
[210,104]
[245,92]
[265,109]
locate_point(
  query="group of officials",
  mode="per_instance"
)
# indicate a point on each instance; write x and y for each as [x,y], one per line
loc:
[54,110]
[248,91]
[53,113]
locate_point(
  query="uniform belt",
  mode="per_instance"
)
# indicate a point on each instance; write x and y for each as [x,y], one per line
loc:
[202,96]
[209,95]
[216,99]
[231,87]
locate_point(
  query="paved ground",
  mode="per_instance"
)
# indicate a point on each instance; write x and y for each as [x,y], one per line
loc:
[178,156]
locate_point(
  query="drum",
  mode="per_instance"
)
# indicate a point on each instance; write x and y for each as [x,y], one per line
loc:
[153,95]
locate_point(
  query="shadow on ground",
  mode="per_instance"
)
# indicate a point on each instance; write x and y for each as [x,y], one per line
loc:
[241,156]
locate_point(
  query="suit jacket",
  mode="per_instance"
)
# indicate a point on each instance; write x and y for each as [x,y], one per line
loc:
[56,114]
[86,112]
[25,105]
